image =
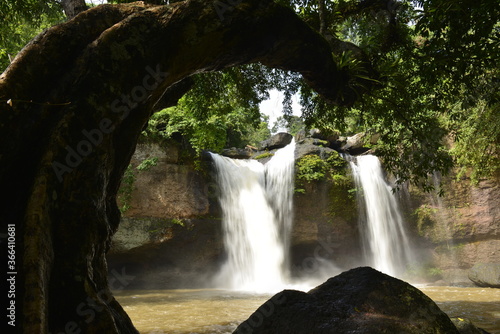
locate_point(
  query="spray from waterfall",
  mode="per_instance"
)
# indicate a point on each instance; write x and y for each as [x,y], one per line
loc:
[385,242]
[257,215]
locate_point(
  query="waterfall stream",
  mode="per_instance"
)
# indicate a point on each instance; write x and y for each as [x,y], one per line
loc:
[257,214]
[385,241]
[257,218]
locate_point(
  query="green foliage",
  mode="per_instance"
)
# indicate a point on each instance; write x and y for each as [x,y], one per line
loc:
[478,137]
[128,180]
[176,221]
[311,168]
[430,60]
[426,271]
[460,40]
[221,110]
[126,188]
[147,164]
[434,66]
[292,124]
[20,21]
[253,136]
[264,155]
[425,217]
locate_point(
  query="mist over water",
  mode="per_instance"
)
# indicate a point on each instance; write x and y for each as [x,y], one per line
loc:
[257,215]
[257,218]
[385,242]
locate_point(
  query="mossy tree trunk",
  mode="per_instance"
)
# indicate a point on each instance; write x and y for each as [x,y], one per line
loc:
[72,106]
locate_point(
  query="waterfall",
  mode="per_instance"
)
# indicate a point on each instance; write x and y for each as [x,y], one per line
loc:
[257,211]
[385,242]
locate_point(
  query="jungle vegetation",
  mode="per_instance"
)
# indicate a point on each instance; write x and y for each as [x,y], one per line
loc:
[434,63]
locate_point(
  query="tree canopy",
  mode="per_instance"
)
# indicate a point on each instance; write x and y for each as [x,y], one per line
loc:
[437,105]
[20,21]
[434,64]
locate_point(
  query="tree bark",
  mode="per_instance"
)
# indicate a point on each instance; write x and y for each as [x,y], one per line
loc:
[73,7]
[72,106]
[322,17]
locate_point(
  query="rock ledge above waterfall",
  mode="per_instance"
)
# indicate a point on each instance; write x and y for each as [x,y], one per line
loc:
[278,140]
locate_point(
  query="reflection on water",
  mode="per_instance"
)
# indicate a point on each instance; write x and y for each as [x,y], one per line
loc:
[480,305]
[188,311]
[220,311]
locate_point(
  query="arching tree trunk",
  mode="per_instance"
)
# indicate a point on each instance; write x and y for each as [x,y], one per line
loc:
[72,106]
[73,7]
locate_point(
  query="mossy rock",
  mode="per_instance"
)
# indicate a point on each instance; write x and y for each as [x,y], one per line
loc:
[362,301]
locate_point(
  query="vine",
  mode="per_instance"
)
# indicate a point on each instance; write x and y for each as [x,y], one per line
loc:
[126,187]
[128,180]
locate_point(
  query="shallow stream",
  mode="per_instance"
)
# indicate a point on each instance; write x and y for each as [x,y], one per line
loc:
[207,311]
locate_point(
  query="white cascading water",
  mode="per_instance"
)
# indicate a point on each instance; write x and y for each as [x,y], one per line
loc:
[385,240]
[257,214]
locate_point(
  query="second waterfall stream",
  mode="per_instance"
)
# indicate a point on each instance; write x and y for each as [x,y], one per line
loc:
[257,215]
[385,242]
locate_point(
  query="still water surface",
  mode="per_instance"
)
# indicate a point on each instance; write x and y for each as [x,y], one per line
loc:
[219,311]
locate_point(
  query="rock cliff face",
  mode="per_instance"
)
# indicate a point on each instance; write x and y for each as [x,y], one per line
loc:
[485,274]
[462,228]
[167,188]
[169,236]
[325,229]
[172,229]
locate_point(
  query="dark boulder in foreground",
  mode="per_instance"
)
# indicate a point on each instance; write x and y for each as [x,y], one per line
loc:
[485,274]
[361,300]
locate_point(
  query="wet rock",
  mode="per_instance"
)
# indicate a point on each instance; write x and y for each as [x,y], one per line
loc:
[374,138]
[354,142]
[302,150]
[279,140]
[485,274]
[237,153]
[361,300]
[315,133]
[300,135]
[329,136]
[312,146]
[166,253]
[465,326]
